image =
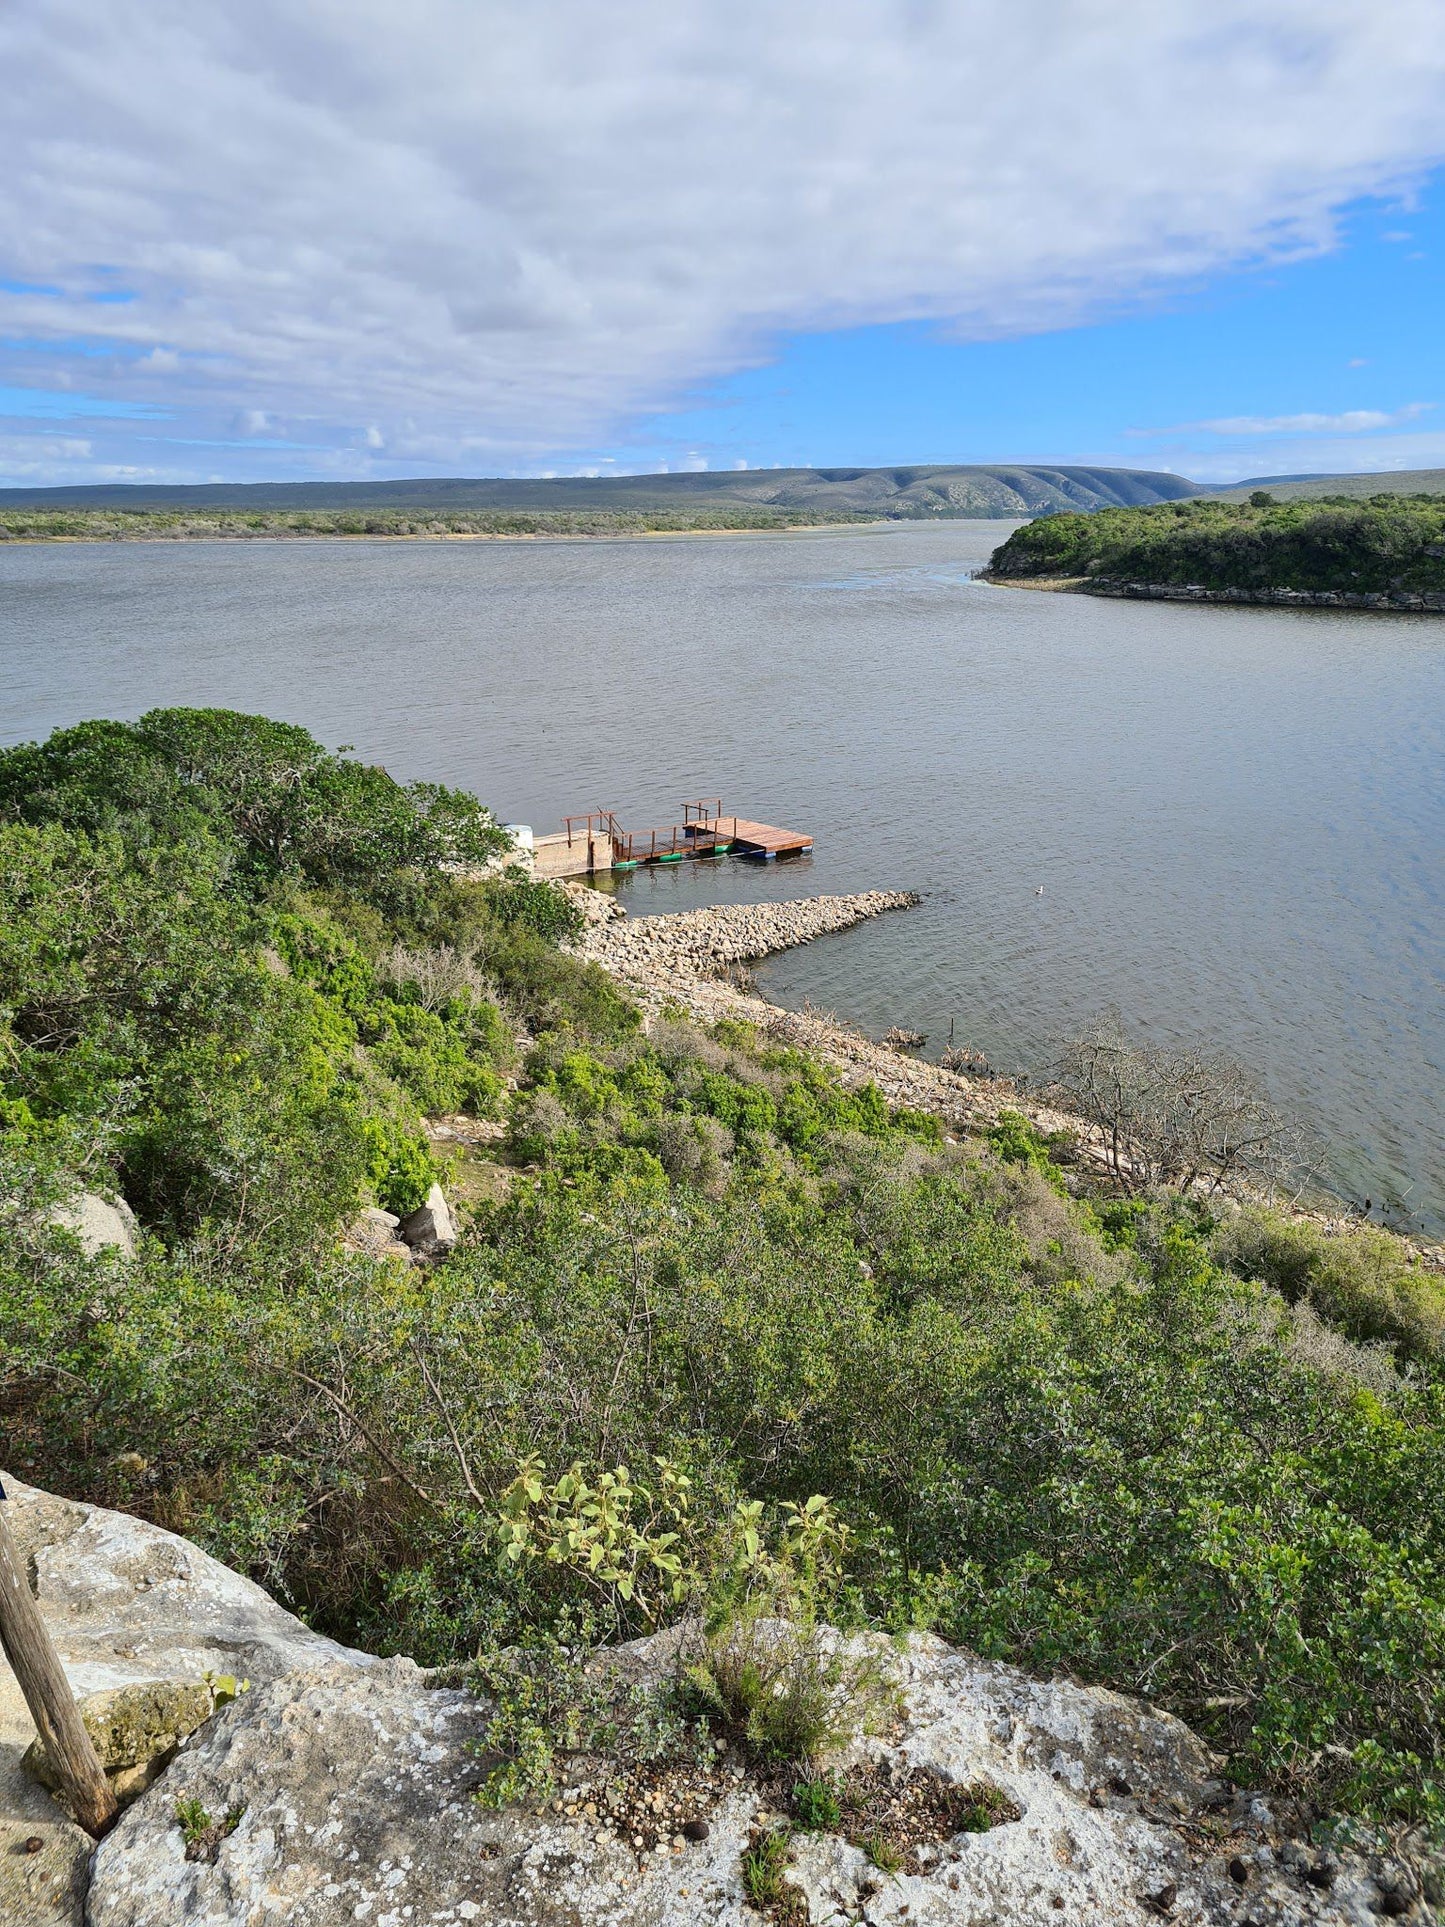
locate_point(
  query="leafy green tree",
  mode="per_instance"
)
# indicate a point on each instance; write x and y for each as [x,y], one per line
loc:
[268,791]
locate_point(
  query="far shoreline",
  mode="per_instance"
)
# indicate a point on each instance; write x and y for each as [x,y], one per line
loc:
[1373,602]
[459,535]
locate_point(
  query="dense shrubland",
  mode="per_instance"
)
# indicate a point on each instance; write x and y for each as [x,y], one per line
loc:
[1389,542]
[1190,1451]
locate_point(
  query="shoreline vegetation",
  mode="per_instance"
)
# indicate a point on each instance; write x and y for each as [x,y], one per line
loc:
[697,959]
[1383,553]
[456,1195]
[225,525]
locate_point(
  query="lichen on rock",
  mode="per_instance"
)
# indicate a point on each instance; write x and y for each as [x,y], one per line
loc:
[135,1731]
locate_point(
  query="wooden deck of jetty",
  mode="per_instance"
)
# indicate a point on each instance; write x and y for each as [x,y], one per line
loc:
[595,841]
[754,839]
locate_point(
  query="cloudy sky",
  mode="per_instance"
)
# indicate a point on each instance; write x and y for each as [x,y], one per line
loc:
[342,238]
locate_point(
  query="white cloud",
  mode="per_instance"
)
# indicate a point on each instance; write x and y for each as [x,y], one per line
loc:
[1353,421]
[495,232]
[45,451]
[1373,456]
[44,461]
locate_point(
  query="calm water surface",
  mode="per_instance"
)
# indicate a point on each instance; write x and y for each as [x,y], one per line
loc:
[1237,816]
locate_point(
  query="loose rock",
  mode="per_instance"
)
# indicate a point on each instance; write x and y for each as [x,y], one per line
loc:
[429,1229]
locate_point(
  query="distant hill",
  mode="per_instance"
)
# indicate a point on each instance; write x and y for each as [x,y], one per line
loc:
[1311,488]
[922,492]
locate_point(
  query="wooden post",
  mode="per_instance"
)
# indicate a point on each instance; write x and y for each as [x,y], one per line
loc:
[36,1664]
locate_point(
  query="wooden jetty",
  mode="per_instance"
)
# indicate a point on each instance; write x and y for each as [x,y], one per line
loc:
[746,837]
[596,841]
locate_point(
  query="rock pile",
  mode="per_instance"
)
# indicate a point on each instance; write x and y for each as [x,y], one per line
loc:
[597,906]
[1427,601]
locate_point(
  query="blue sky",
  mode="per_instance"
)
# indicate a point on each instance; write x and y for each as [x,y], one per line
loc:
[271,241]
[1358,331]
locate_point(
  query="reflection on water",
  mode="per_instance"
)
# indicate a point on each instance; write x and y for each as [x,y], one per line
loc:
[1237,817]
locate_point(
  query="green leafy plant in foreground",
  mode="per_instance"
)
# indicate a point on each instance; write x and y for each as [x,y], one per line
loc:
[756,1666]
[816,1804]
[201,1833]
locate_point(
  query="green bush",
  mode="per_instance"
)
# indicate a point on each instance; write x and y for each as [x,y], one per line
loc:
[816,1805]
[1362,1281]
[268,792]
[1014,1140]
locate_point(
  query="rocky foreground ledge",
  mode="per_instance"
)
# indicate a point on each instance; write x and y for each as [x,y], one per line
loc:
[340,1789]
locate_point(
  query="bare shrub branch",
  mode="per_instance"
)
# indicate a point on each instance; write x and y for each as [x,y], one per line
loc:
[1177,1115]
[436,975]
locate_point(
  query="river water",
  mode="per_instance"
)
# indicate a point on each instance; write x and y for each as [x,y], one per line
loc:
[1236,817]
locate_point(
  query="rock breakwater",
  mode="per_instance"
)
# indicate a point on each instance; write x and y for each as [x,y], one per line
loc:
[703,942]
[677,959]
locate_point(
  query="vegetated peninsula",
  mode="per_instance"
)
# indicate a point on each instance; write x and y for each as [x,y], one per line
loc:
[1386,552]
[481,1305]
[571,505]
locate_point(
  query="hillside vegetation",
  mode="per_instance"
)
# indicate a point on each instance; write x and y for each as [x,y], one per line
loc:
[1194,1454]
[808,494]
[1314,488]
[1387,544]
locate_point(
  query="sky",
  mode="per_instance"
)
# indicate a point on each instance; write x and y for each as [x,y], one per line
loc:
[340,239]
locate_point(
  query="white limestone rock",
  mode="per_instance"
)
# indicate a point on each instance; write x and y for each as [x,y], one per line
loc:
[99,1224]
[357,1796]
[373,1232]
[126,1604]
